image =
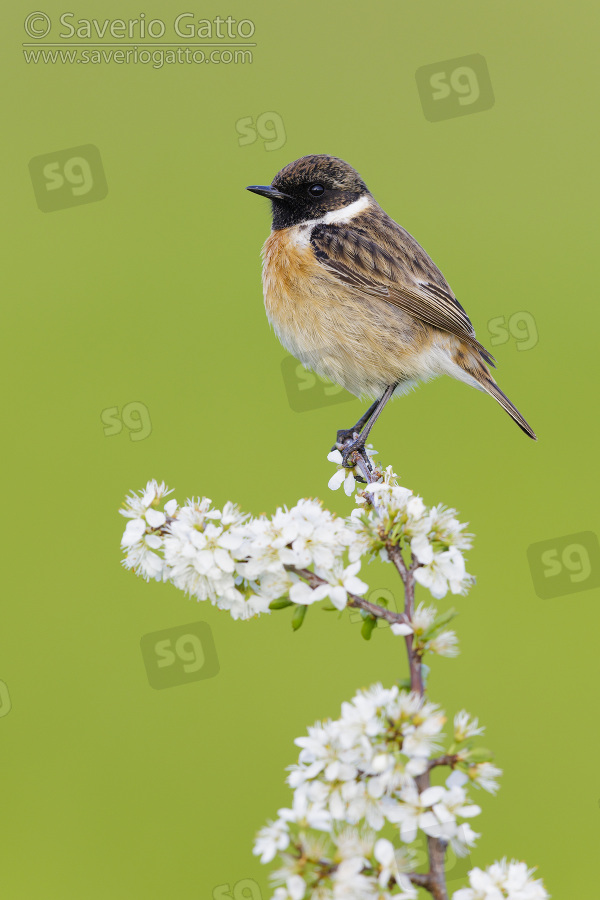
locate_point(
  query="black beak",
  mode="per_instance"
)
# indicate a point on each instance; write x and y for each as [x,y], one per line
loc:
[267,191]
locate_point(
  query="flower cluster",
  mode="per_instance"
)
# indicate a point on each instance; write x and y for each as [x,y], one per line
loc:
[348,864]
[392,516]
[299,556]
[366,776]
[362,770]
[503,881]
[239,563]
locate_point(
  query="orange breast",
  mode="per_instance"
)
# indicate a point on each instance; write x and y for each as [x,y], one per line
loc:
[360,342]
[288,267]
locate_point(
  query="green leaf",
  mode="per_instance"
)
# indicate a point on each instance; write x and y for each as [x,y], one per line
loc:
[446,617]
[479,755]
[280,604]
[425,670]
[438,623]
[298,617]
[367,627]
[404,684]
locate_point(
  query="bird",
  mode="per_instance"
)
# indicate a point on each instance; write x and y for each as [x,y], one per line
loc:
[353,296]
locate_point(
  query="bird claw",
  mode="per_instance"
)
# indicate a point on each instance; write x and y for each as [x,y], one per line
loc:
[352,452]
[343,436]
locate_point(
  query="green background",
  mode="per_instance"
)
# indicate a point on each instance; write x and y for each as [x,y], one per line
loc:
[112,789]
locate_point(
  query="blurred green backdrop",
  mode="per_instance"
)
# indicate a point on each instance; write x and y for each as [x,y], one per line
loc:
[149,299]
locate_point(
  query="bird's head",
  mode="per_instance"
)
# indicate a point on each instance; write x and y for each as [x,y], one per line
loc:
[311,187]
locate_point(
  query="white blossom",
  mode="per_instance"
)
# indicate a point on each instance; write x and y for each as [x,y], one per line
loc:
[485,775]
[359,773]
[444,644]
[465,726]
[510,880]
[142,540]
[346,476]
[423,618]
[343,581]
[271,839]
[446,571]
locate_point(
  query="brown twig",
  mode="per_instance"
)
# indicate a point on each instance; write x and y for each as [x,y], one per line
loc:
[446,760]
[435,880]
[380,612]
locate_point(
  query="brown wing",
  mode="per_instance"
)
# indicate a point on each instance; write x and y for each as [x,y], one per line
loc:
[403,275]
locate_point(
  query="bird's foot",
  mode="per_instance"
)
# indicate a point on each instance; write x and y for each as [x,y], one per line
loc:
[354,451]
[343,436]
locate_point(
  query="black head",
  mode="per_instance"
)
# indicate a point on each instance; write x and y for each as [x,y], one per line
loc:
[310,187]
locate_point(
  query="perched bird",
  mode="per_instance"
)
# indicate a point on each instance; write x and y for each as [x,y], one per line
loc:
[354,297]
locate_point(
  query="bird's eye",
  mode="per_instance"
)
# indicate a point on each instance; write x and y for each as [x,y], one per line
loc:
[315,190]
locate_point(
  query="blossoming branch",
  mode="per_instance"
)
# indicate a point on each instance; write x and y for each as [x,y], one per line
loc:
[366,776]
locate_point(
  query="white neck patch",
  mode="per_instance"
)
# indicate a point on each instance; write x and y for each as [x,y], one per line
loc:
[346,213]
[301,234]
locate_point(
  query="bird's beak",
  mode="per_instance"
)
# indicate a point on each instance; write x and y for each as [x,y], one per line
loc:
[268,191]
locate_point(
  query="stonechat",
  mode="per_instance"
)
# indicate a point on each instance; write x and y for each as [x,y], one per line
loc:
[354,297]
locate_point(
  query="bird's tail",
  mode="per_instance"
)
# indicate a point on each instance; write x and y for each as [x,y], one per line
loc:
[478,369]
[492,388]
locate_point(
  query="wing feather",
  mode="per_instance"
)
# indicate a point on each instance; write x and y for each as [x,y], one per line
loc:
[357,260]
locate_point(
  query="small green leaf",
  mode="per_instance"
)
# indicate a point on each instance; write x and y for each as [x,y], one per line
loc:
[367,627]
[479,755]
[439,622]
[404,684]
[298,617]
[280,604]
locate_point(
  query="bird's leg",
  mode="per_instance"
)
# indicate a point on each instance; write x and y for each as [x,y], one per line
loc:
[358,446]
[346,434]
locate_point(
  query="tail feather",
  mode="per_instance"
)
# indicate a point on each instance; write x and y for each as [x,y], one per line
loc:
[474,363]
[492,388]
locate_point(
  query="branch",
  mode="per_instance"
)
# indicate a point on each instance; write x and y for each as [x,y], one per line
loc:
[435,880]
[380,612]
[447,760]
[423,879]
